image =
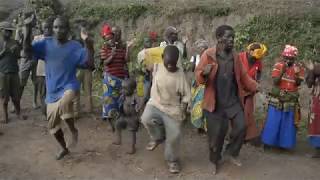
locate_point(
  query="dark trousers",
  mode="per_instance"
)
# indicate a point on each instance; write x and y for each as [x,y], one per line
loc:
[41,83]
[217,125]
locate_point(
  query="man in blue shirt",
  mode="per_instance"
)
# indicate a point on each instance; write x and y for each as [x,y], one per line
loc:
[62,58]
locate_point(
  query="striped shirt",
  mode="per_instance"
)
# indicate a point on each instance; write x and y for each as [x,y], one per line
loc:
[118,65]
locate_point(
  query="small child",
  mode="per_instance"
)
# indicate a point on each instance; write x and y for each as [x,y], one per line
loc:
[9,77]
[129,113]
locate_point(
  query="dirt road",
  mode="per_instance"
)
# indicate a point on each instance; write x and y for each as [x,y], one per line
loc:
[27,153]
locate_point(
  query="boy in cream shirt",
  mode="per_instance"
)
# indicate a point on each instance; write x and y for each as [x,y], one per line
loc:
[166,109]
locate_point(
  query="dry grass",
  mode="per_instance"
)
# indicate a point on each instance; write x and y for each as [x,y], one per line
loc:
[245,6]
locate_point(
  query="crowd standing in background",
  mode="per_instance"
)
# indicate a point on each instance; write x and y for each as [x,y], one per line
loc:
[216,89]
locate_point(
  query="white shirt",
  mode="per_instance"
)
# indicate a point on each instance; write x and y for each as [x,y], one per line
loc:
[141,56]
[197,59]
[170,92]
[41,64]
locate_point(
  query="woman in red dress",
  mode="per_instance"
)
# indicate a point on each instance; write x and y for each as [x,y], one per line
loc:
[252,62]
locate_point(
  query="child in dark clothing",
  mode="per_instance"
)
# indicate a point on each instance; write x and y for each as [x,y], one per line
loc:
[9,77]
[129,113]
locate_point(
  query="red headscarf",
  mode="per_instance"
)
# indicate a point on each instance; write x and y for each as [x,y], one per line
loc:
[106,30]
[290,51]
[153,36]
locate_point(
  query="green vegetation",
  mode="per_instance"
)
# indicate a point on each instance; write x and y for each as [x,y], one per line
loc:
[209,11]
[45,8]
[96,13]
[277,30]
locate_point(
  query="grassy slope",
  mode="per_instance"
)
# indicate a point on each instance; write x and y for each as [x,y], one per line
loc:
[274,22]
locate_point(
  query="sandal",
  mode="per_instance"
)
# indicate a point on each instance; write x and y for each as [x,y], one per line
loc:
[174,167]
[62,154]
[152,145]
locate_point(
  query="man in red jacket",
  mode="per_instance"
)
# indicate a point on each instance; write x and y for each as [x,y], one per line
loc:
[226,83]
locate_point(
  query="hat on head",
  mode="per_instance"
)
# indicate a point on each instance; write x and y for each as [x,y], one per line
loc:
[106,30]
[153,35]
[170,30]
[290,51]
[6,26]
[258,53]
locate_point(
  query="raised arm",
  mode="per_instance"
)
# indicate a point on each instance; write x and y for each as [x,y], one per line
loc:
[27,49]
[277,72]
[86,54]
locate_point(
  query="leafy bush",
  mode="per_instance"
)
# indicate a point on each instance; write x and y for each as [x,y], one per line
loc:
[276,30]
[210,11]
[45,8]
[96,13]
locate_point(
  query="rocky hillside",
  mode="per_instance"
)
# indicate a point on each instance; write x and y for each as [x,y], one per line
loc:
[274,22]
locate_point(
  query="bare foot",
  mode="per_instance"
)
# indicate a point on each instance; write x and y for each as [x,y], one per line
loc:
[233,160]
[110,126]
[214,169]
[110,129]
[4,121]
[12,110]
[116,142]
[22,117]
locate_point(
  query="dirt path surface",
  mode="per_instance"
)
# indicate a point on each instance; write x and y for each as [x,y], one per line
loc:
[27,153]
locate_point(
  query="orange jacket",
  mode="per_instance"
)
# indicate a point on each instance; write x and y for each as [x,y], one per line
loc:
[245,83]
[288,80]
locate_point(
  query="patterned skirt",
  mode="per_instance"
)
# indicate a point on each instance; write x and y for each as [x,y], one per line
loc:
[314,122]
[197,117]
[111,96]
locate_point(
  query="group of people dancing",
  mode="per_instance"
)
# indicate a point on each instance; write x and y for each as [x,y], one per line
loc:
[215,90]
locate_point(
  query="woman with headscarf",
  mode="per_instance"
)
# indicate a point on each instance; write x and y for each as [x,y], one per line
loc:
[114,60]
[252,62]
[284,111]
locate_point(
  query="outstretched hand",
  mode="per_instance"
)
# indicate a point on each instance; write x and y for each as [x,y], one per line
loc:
[185,39]
[84,35]
[131,42]
[207,69]
[296,69]
[29,20]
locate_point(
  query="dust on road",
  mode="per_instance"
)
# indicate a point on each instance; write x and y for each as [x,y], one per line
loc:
[27,153]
